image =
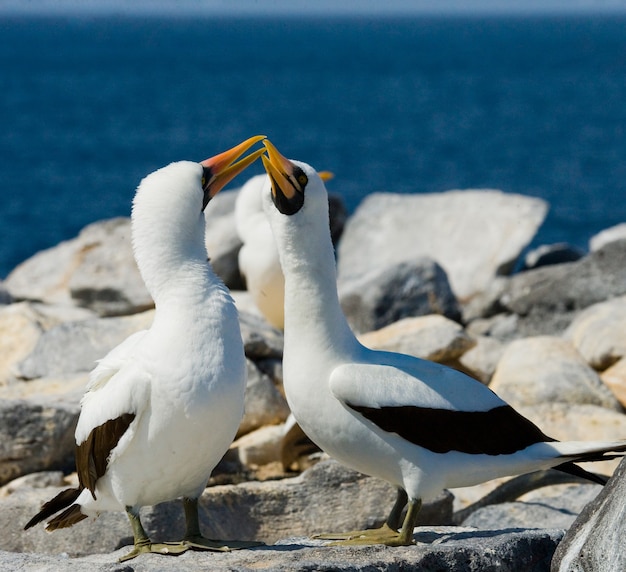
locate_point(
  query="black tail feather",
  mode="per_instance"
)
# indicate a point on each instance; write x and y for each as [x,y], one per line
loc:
[67,518]
[573,469]
[64,499]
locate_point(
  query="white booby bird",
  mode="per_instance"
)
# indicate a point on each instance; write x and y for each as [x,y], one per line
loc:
[414,423]
[162,408]
[258,256]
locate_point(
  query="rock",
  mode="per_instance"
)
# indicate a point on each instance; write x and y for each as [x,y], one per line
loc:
[481,360]
[20,328]
[429,337]
[548,254]
[599,333]
[473,234]
[297,451]
[44,276]
[260,340]
[73,347]
[615,379]
[564,289]
[338,215]
[264,404]
[35,435]
[604,237]
[39,480]
[260,447]
[106,278]
[503,327]
[595,542]
[441,548]
[327,497]
[386,295]
[573,422]
[67,388]
[537,511]
[548,369]
[94,270]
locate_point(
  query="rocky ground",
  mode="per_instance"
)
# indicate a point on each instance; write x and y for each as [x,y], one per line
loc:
[443,277]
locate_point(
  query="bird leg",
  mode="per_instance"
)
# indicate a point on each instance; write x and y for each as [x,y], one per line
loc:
[142,542]
[388,530]
[193,536]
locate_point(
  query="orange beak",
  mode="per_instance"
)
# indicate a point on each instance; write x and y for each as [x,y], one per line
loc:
[223,168]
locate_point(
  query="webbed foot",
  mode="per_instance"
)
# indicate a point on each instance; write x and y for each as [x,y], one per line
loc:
[383,535]
[199,542]
[171,548]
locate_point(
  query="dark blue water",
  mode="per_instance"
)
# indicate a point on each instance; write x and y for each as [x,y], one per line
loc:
[528,105]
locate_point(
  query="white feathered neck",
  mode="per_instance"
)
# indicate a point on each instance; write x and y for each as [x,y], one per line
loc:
[308,261]
[168,228]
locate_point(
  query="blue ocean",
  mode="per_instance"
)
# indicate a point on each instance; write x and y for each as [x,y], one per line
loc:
[531,105]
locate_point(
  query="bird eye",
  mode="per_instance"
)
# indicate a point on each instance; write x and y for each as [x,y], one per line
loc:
[303,180]
[203,182]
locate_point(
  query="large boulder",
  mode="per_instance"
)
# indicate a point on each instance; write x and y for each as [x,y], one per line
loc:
[599,333]
[549,297]
[430,337]
[386,295]
[473,234]
[595,542]
[35,435]
[75,346]
[94,270]
[548,369]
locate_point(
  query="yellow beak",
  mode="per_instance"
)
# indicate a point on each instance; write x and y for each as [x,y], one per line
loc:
[224,167]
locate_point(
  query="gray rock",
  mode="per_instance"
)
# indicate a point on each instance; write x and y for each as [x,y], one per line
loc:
[453,549]
[264,404]
[386,295]
[537,511]
[106,278]
[548,254]
[564,289]
[94,270]
[473,234]
[35,435]
[75,346]
[595,542]
[325,498]
[260,339]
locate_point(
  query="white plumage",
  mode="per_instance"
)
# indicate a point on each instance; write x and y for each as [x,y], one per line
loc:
[162,408]
[258,257]
[417,424]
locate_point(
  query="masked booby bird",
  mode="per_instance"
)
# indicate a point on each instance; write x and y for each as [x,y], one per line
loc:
[258,256]
[417,424]
[162,408]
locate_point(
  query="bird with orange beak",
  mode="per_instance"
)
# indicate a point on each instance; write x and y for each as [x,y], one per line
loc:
[162,408]
[417,424]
